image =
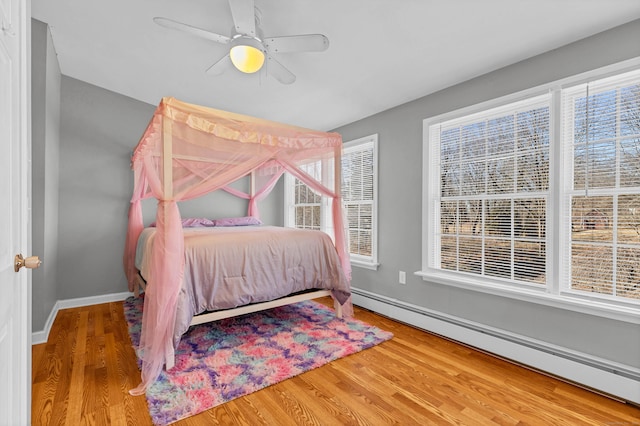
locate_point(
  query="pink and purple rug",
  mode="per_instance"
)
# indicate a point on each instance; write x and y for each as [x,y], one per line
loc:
[230,358]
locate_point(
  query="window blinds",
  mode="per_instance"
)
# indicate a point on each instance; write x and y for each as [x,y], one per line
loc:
[358,196]
[493,189]
[601,136]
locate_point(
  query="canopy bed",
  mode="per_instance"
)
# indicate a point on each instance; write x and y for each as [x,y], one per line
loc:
[188,151]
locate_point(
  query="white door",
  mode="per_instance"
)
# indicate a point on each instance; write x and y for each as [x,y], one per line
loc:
[15,191]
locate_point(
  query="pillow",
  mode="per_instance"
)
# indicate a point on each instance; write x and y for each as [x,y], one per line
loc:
[193,222]
[237,221]
[196,222]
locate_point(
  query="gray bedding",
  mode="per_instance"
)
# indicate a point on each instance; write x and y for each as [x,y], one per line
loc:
[227,267]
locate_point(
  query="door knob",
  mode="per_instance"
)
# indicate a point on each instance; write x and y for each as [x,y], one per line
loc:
[31,262]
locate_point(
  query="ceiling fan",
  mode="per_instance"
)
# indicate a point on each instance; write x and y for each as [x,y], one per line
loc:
[248,49]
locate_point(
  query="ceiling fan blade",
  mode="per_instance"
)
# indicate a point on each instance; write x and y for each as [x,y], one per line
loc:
[279,72]
[198,32]
[221,66]
[244,16]
[297,43]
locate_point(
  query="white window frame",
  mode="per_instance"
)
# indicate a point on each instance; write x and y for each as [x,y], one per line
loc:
[326,171]
[553,294]
[617,190]
[367,142]
[326,222]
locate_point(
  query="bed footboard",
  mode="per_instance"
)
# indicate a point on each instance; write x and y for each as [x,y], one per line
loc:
[247,309]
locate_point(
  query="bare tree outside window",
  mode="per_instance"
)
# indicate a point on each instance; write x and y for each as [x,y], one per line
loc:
[605,203]
[494,176]
[307,202]
[308,209]
[358,177]
[522,195]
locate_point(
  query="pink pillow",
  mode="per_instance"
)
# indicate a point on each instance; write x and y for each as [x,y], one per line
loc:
[237,221]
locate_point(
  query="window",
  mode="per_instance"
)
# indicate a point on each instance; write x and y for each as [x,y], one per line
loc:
[307,203]
[494,186]
[539,195]
[359,188]
[602,165]
[307,209]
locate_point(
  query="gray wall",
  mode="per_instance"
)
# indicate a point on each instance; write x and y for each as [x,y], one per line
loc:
[45,122]
[400,211]
[97,134]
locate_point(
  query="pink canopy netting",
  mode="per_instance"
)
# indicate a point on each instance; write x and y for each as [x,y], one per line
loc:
[188,151]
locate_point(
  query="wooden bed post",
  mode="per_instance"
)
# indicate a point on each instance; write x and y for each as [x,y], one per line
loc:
[337,184]
[167,159]
[167,186]
[252,183]
[167,189]
[337,189]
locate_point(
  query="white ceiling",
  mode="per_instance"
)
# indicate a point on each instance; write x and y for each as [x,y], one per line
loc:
[382,52]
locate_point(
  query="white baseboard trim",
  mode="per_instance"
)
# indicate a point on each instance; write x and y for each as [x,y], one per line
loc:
[602,375]
[38,337]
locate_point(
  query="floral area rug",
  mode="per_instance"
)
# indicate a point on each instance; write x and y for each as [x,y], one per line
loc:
[230,358]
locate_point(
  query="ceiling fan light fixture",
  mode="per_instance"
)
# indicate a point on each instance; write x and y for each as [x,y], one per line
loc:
[247,54]
[248,50]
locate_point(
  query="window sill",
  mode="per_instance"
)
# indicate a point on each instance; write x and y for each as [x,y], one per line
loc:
[365,265]
[630,314]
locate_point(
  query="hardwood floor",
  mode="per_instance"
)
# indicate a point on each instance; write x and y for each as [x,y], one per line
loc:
[82,375]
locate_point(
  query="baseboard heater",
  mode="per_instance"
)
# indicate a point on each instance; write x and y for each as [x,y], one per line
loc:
[601,375]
